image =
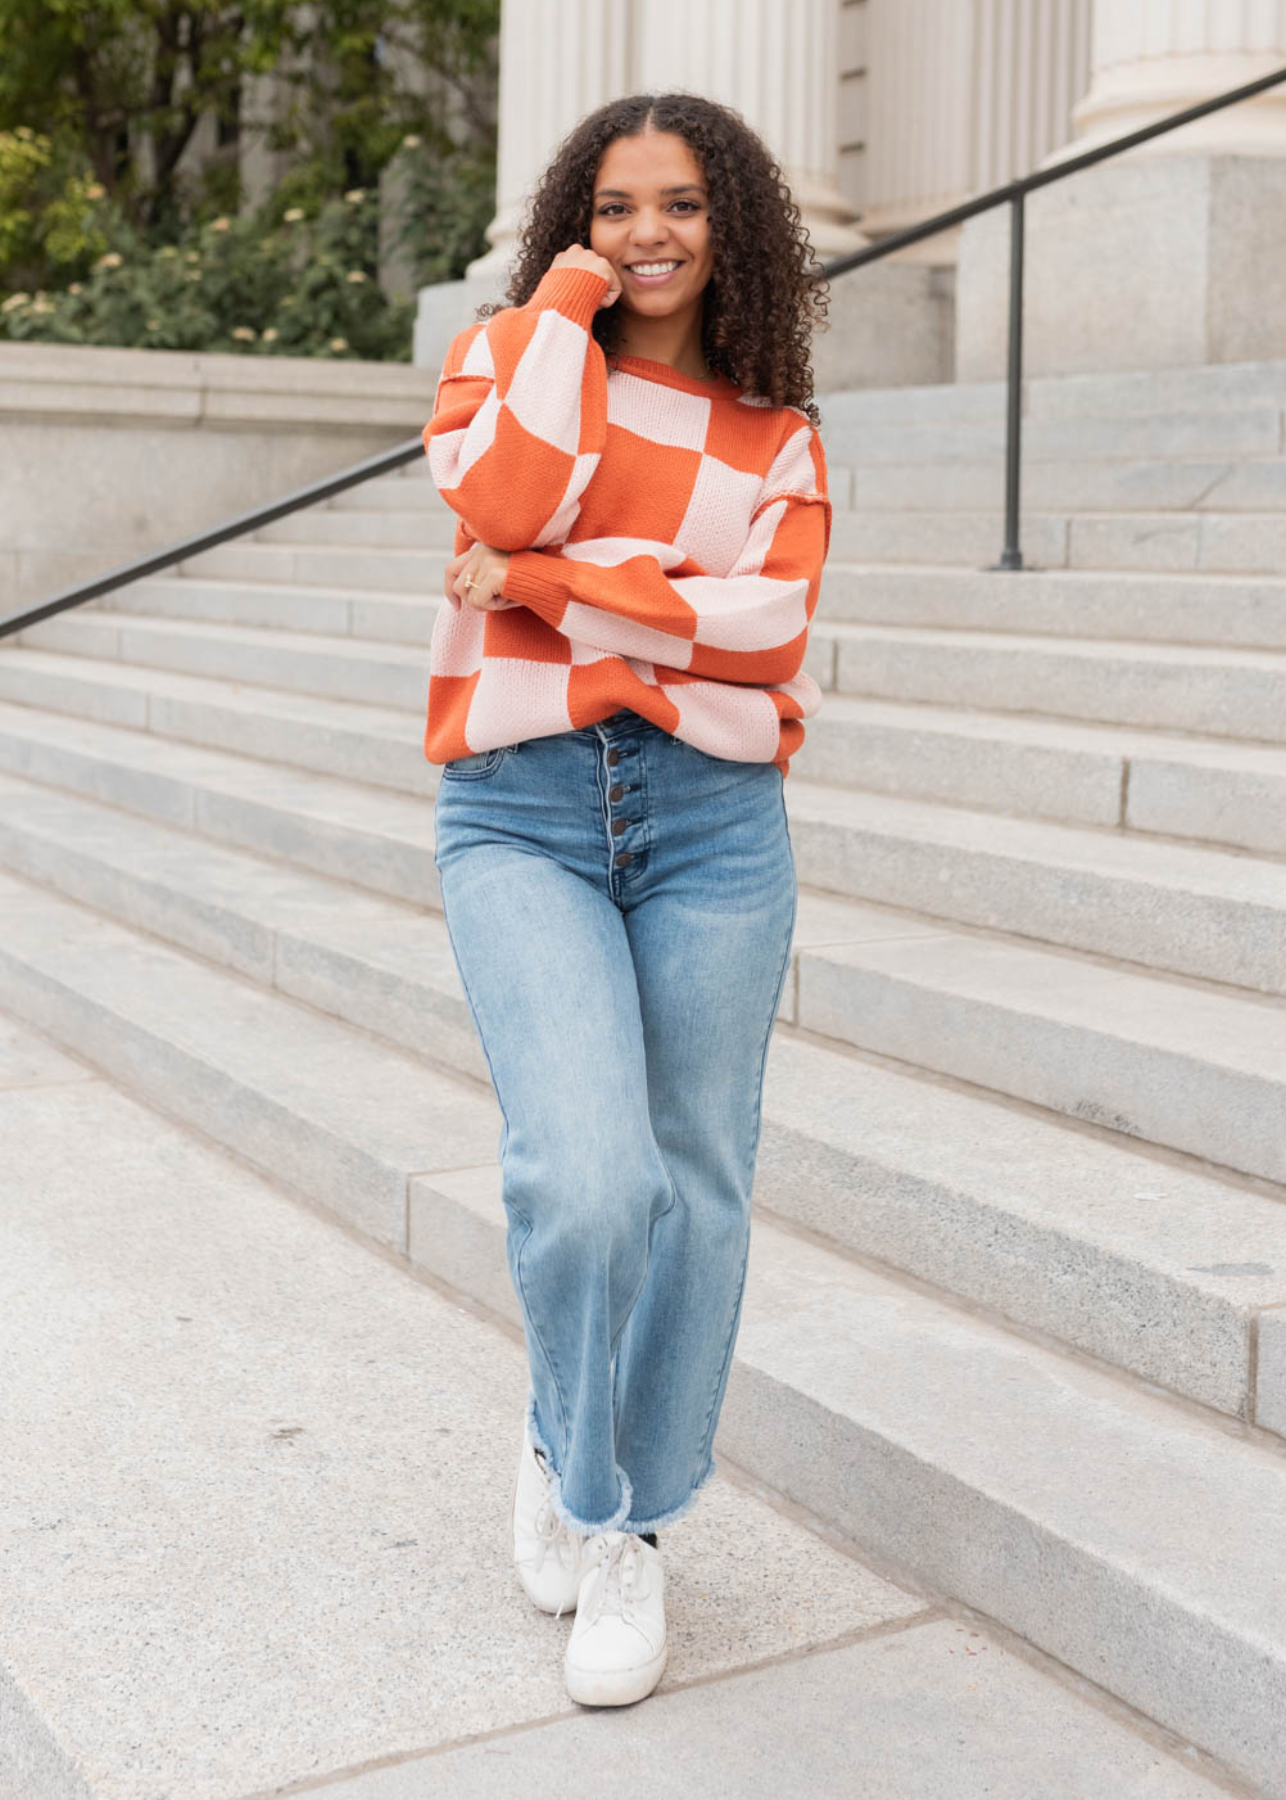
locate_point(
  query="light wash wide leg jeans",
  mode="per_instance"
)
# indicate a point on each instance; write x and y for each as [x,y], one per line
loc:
[621,907]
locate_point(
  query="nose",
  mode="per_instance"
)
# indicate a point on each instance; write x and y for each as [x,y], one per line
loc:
[649,228]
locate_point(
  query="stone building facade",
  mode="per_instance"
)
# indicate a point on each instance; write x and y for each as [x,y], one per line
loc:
[884,112]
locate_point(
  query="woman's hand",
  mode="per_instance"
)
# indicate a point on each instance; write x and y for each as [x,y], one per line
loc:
[486,569]
[576,256]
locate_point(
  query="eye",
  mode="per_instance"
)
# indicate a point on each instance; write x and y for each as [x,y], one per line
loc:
[612,206]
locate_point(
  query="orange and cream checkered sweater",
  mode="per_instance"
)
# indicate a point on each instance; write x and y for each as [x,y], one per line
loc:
[667,538]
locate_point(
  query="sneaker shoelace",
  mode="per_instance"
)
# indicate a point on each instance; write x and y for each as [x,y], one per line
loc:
[555,1538]
[621,1575]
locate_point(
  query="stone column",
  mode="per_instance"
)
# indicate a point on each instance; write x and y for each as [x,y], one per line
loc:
[774,61]
[1154,57]
[1168,254]
[964,97]
[559,59]
[777,63]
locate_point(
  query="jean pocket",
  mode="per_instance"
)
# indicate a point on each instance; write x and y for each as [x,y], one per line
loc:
[476,767]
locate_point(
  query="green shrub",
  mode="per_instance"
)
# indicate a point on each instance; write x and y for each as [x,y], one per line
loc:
[447,203]
[285,280]
[53,216]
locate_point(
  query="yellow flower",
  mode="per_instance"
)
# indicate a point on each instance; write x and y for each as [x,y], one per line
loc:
[14,302]
[245,333]
[168,251]
[339,343]
[355,275]
[220,224]
[41,304]
[270,336]
[112,260]
[411,142]
[193,274]
[192,255]
[75,288]
[294,215]
[355,195]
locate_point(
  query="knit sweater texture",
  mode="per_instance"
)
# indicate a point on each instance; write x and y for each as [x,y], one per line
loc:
[667,536]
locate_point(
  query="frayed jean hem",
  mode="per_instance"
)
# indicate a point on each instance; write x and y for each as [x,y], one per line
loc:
[584,1527]
[662,1519]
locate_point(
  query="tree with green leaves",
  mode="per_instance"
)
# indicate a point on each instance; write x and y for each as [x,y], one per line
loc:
[109,235]
[125,83]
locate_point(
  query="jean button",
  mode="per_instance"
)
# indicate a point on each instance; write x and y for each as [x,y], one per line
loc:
[613,757]
[617,793]
[618,826]
[621,859]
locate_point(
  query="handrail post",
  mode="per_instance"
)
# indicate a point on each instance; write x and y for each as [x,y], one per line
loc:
[1011,557]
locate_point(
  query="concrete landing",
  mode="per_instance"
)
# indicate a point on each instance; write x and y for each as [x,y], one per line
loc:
[936,1711]
[253,1511]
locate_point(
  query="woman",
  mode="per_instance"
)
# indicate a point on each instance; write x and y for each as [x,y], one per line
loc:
[615,693]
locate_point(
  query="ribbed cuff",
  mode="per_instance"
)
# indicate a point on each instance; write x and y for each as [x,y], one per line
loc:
[529,580]
[575,293]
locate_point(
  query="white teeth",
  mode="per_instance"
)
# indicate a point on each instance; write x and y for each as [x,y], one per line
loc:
[653,268]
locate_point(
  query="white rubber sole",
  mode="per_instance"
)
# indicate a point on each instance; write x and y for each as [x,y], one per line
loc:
[615,1687]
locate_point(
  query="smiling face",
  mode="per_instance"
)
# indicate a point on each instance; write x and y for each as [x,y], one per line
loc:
[651,207]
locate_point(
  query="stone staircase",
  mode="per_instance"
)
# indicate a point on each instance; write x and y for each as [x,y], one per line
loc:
[1016,1319]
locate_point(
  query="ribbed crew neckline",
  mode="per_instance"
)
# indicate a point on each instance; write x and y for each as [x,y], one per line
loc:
[718,383]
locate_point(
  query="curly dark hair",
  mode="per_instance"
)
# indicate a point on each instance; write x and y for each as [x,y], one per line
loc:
[765,291]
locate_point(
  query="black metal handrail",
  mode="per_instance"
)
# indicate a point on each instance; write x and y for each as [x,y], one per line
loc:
[382,463]
[1013,193]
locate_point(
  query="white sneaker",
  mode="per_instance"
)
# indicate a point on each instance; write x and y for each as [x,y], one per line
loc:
[617,1651]
[551,1558]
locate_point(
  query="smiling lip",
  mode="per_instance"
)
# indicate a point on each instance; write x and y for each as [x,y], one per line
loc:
[655,280]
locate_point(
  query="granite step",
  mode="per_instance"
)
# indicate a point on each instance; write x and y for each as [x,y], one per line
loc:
[1182,908]
[1217,692]
[325,565]
[1232,611]
[940,528]
[330,737]
[416,528]
[381,616]
[1251,430]
[969,1454]
[1210,690]
[1256,484]
[387,675]
[1219,542]
[369,671]
[1196,1068]
[1194,388]
[1163,1270]
[411,486]
[1205,789]
[1201,788]
[377,839]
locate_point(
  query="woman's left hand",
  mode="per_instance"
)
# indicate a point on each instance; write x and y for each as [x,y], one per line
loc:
[487,569]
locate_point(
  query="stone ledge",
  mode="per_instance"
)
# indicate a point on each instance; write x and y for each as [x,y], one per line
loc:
[144,387]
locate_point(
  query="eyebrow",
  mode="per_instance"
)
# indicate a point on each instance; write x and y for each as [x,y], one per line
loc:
[687,187]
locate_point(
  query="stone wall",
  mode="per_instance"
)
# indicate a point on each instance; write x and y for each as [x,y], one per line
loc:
[107,453]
